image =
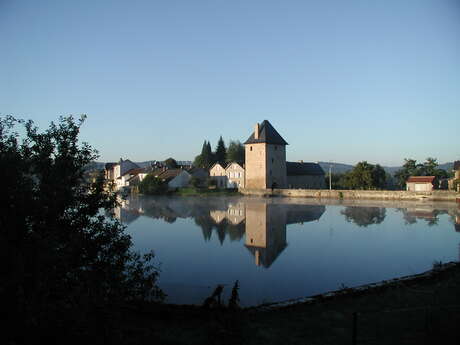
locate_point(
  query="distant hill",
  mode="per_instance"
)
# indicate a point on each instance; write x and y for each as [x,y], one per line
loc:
[101,165]
[340,168]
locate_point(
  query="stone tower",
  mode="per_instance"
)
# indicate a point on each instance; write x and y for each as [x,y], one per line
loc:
[265,160]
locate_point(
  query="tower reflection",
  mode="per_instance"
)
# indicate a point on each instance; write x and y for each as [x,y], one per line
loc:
[263,222]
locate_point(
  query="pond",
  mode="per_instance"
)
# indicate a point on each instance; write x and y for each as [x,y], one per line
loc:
[284,248]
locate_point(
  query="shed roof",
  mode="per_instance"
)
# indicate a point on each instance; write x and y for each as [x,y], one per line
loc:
[267,134]
[109,166]
[298,168]
[421,179]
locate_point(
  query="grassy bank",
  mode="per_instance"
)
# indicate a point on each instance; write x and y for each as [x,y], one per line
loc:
[191,191]
[425,310]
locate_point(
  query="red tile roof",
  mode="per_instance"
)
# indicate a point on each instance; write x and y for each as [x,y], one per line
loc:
[421,179]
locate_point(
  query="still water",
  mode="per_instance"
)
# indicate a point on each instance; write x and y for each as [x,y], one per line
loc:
[283,248]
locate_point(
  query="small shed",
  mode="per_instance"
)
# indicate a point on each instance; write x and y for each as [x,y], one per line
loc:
[420,183]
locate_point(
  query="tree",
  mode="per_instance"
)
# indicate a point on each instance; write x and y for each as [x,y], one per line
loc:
[61,258]
[221,151]
[364,176]
[152,185]
[206,158]
[409,168]
[235,152]
[171,163]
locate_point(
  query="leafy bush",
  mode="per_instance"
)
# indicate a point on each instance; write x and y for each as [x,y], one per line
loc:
[63,262]
[152,185]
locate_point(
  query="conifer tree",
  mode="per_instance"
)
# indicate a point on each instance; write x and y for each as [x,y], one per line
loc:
[221,151]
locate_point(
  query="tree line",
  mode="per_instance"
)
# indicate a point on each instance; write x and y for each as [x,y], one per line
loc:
[373,177]
[222,154]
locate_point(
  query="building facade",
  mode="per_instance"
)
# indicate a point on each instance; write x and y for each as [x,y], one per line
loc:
[266,166]
[265,158]
[420,183]
[235,175]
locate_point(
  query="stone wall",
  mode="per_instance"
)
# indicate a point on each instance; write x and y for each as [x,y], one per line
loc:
[255,166]
[276,165]
[437,195]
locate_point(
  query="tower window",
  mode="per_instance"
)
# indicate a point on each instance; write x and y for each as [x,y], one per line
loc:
[250,148]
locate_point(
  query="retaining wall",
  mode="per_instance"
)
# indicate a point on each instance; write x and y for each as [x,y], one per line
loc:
[437,195]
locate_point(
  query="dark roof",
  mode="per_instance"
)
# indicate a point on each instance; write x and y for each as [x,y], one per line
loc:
[421,179]
[297,169]
[109,166]
[169,174]
[267,134]
[135,171]
[457,165]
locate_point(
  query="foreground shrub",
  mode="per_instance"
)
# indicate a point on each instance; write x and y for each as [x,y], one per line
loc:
[63,262]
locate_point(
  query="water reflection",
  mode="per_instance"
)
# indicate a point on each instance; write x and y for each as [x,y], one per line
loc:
[202,242]
[263,221]
[426,213]
[364,216]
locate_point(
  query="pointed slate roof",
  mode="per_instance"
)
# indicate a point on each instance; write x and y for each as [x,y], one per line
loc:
[267,134]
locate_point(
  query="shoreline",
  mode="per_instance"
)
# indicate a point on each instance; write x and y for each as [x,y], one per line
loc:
[437,195]
[357,290]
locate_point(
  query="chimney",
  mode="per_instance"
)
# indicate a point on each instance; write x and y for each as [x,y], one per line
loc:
[256,131]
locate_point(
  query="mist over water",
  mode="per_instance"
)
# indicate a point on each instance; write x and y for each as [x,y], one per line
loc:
[283,248]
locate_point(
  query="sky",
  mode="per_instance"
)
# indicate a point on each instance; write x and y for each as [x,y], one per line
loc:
[341,81]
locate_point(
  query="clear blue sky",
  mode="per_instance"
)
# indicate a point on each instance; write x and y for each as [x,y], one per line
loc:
[341,80]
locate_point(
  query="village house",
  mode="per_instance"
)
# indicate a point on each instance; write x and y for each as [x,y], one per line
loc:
[420,183]
[119,172]
[218,174]
[175,178]
[456,170]
[235,175]
[266,166]
[232,176]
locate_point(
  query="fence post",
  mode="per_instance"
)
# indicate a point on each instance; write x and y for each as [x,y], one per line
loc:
[355,328]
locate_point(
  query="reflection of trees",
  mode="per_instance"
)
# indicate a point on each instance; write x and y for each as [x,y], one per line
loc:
[428,214]
[364,216]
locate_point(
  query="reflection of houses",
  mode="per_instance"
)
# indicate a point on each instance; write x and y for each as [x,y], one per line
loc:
[422,213]
[420,183]
[236,213]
